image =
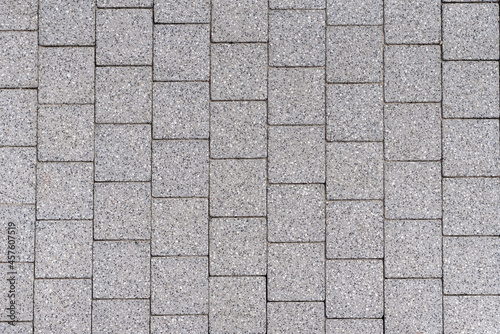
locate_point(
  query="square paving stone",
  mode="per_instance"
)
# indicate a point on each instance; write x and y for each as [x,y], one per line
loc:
[240,21]
[238,246]
[22,219]
[180,168]
[299,318]
[296,272]
[297,4]
[120,316]
[413,248]
[124,37]
[66,23]
[181,110]
[354,171]
[179,285]
[66,75]
[194,324]
[124,3]
[18,15]
[237,305]
[470,31]
[180,226]
[63,306]
[19,328]
[413,306]
[66,133]
[297,38]
[354,229]
[18,58]
[239,71]
[296,213]
[23,290]
[123,152]
[121,269]
[471,147]
[364,326]
[238,187]
[296,96]
[17,175]
[181,52]
[122,210]
[63,249]
[470,265]
[413,190]
[471,206]
[18,110]
[471,314]
[354,289]
[412,73]
[470,89]
[412,22]
[238,129]
[412,131]
[354,54]
[182,11]
[123,94]
[355,12]
[296,154]
[354,112]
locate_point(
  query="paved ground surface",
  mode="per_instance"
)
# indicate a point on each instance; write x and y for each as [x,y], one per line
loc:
[250,166]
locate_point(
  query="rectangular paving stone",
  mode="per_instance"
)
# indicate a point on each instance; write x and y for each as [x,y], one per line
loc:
[123,152]
[412,22]
[412,131]
[181,110]
[123,316]
[124,37]
[18,58]
[195,324]
[297,38]
[23,291]
[354,289]
[66,23]
[355,12]
[471,314]
[300,318]
[121,269]
[180,168]
[19,328]
[354,54]
[412,73]
[413,306]
[365,326]
[238,71]
[17,175]
[238,187]
[354,112]
[63,249]
[296,154]
[180,226]
[471,147]
[242,21]
[18,15]
[471,206]
[296,96]
[182,11]
[124,3]
[179,285]
[296,212]
[413,190]
[354,171]
[122,210]
[123,94]
[66,75]
[18,110]
[296,4]
[181,52]
[296,272]
[354,229]
[470,31]
[237,304]
[413,249]
[470,265]
[23,218]
[63,306]
[238,129]
[66,133]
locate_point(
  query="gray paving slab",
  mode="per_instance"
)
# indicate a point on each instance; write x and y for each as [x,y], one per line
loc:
[23,218]
[18,111]
[17,175]
[120,316]
[19,328]
[18,58]
[19,15]
[195,324]
[295,317]
[182,11]
[471,314]
[365,326]
[23,291]
[355,12]
[296,4]
[124,3]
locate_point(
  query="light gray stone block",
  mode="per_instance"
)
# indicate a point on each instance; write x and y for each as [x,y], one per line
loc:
[120,316]
[364,326]
[195,324]
[182,11]
[18,110]
[124,3]
[471,314]
[355,12]
[17,175]
[18,59]
[23,290]
[299,318]
[23,217]
[18,15]
[296,4]
[19,328]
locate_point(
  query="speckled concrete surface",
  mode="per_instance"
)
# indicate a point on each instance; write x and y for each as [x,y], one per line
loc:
[249,167]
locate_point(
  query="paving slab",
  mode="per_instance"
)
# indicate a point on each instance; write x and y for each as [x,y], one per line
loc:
[120,316]
[195,324]
[24,279]
[23,218]
[18,58]
[365,326]
[18,111]
[295,317]
[17,175]
[471,313]
[181,11]
[355,12]
[19,15]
